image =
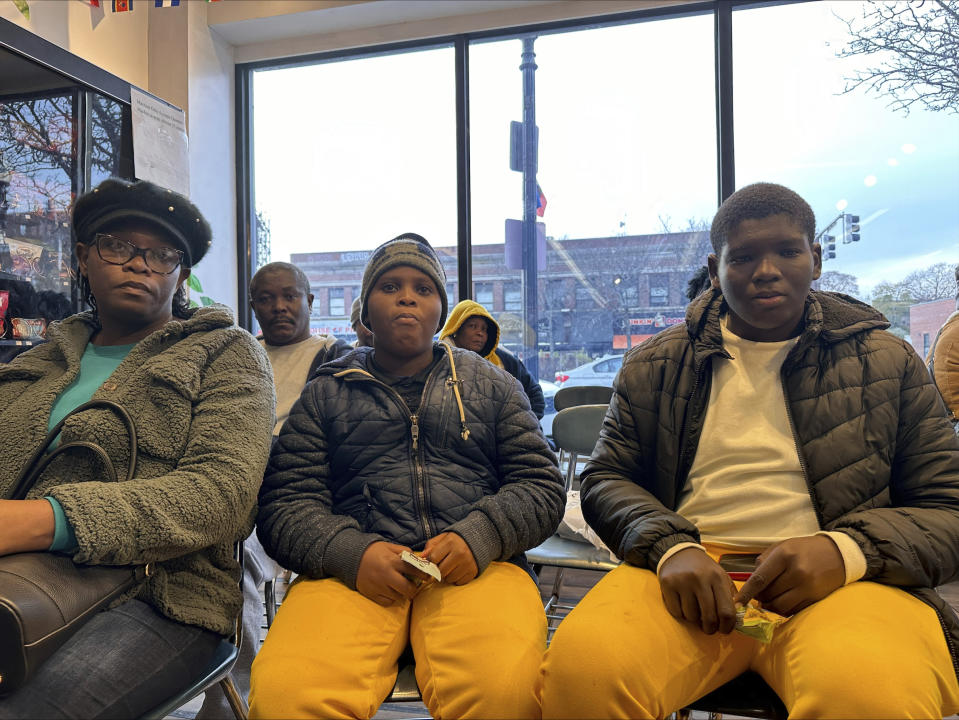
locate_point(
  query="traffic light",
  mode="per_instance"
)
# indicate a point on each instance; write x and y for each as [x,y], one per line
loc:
[850,228]
[828,247]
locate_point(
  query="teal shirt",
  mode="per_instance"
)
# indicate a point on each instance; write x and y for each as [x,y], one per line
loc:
[96,365]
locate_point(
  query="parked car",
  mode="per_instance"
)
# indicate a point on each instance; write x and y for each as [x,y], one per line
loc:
[600,371]
[549,390]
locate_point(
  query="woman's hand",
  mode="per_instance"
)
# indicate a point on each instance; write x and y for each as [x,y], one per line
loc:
[384,577]
[697,590]
[794,574]
[453,556]
[25,526]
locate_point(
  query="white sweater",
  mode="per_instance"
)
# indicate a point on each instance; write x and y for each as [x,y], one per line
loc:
[746,489]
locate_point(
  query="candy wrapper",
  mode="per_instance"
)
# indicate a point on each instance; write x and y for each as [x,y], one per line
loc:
[29,328]
[757,623]
[4,303]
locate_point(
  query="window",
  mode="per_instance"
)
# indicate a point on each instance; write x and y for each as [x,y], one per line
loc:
[379,158]
[852,155]
[659,289]
[628,182]
[513,298]
[337,304]
[483,294]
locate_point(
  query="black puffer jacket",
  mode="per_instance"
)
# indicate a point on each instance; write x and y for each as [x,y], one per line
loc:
[880,458]
[347,469]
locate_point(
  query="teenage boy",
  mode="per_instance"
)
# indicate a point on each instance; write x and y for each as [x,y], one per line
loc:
[782,422]
[407,446]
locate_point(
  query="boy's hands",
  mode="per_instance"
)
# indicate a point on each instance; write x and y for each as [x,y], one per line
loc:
[697,590]
[384,577]
[454,557]
[794,574]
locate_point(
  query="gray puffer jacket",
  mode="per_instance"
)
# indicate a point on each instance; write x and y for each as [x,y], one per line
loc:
[352,467]
[880,458]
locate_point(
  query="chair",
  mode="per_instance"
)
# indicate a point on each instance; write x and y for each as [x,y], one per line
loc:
[747,695]
[567,397]
[575,430]
[217,671]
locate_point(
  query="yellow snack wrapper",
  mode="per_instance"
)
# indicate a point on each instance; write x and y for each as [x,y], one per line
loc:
[757,623]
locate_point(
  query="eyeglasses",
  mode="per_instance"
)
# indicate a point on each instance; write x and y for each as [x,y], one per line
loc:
[117,251]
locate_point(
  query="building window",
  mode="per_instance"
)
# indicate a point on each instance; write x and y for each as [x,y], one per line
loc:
[337,303]
[513,298]
[659,289]
[483,293]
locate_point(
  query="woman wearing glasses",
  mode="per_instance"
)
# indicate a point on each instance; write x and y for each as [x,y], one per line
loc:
[200,393]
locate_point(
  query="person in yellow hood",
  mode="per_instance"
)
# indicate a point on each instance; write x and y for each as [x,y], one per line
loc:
[471,326]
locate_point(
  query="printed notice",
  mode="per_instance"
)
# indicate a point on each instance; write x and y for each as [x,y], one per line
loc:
[160,144]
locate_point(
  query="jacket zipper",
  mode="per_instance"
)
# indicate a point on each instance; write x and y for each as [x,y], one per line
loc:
[949,643]
[419,482]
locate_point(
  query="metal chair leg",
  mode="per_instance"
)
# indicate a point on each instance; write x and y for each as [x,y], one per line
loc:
[237,704]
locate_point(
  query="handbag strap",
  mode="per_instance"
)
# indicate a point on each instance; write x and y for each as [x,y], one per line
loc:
[37,463]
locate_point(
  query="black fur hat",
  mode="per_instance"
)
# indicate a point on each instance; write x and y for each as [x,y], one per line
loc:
[116,200]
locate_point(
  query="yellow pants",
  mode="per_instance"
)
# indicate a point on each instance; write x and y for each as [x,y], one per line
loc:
[332,653]
[865,651]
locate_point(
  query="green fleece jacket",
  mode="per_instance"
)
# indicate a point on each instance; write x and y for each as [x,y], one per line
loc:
[200,392]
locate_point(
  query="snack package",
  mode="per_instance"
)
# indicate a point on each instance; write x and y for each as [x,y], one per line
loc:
[29,328]
[757,623]
[3,327]
[421,564]
[25,257]
[4,303]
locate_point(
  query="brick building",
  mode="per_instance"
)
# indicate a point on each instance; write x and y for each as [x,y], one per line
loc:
[925,319]
[589,291]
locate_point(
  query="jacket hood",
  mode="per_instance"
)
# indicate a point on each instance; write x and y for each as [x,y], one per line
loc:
[829,317]
[462,312]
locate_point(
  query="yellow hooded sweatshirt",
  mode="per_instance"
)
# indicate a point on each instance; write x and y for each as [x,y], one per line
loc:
[462,312]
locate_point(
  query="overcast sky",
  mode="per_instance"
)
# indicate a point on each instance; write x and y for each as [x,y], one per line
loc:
[349,154]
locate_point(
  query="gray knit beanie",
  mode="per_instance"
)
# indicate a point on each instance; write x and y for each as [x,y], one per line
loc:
[355,312]
[406,249]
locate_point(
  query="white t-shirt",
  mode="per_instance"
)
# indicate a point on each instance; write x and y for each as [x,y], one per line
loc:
[290,364]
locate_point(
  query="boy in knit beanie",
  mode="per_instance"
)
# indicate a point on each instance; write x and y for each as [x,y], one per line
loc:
[405,487]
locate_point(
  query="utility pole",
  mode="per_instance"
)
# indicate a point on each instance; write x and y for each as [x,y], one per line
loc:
[530,260]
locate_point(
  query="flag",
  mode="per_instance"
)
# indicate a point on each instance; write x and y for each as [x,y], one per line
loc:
[23,8]
[166,3]
[540,201]
[122,5]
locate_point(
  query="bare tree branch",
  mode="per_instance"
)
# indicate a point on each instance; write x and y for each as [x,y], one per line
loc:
[915,46]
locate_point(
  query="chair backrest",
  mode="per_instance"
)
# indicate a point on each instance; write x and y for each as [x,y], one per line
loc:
[567,397]
[575,431]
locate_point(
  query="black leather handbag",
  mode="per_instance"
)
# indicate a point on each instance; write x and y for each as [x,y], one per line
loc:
[46,597]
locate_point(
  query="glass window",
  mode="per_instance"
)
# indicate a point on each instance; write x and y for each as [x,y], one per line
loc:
[337,302]
[43,168]
[659,289]
[379,159]
[483,294]
[513,298]
[626,179]
[858,158]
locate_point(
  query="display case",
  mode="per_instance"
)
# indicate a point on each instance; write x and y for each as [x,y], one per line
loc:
[58,138]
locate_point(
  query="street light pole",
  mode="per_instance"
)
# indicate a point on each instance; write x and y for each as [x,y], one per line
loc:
[530,260]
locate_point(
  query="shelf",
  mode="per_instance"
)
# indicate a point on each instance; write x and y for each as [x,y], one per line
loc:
[21,343]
